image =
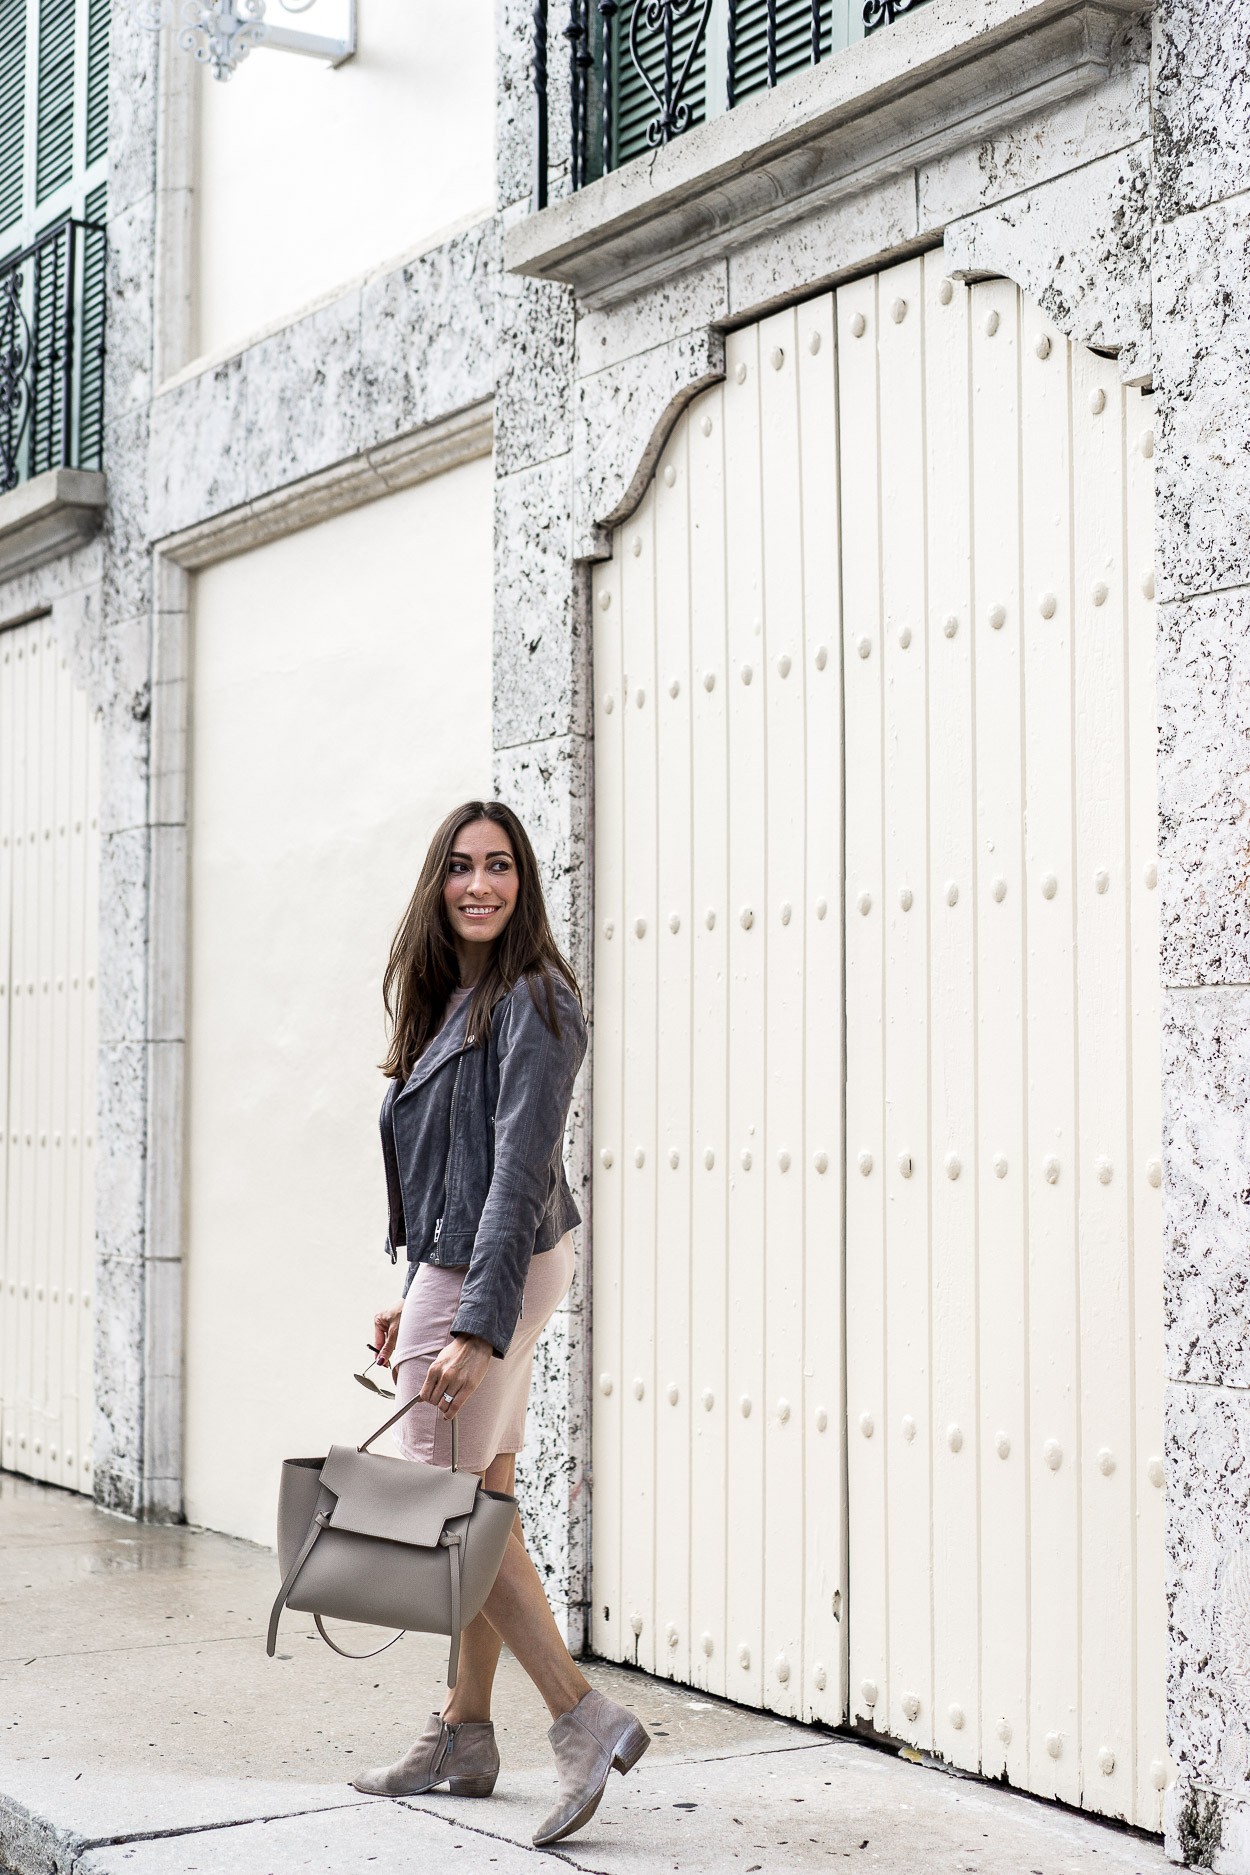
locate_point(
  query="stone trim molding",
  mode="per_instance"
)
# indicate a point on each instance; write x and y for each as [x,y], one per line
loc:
[47,516]
[957,74]
[423,453]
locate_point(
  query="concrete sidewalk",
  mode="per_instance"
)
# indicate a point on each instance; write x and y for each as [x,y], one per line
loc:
[143,1732]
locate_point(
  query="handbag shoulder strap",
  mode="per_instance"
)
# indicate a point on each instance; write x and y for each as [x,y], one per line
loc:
[407,1408]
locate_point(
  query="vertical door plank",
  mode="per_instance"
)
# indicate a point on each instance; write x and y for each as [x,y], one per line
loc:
[638,1156]
[47,1380]
[902,920]
[8,1247]
[710,1536]
[820,1162]
[608,1626]
[26,901]
[91,1038]
[862,895]
[64,1247]
[1146,1218]
[782,676]
[673,1065]
[1000,1065]
[1106,1355]
[747,806]
[955,877]
[1054,1455]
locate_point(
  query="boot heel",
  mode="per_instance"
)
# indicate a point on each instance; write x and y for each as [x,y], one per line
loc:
[480,1786]
[630,1748]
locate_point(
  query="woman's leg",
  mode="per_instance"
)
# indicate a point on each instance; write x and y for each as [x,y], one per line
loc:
[516,1611]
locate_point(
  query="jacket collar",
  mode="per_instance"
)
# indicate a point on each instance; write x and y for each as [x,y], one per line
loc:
[447,1044]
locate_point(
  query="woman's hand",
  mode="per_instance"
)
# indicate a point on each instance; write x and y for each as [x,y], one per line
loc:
[458,1371]
[386,1332]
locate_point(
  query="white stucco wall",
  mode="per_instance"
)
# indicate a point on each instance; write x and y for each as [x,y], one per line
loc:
[308,177]
[340,706]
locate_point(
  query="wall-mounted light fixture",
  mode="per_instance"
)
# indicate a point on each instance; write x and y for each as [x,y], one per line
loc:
[221,33]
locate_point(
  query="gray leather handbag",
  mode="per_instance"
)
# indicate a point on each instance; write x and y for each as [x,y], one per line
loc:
[388,1541]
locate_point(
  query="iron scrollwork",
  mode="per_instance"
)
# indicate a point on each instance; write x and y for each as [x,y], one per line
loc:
[885,12]
[660,17]
[16,349]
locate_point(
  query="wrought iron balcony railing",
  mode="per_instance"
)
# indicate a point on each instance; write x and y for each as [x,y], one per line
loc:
[52,353]
[643,71]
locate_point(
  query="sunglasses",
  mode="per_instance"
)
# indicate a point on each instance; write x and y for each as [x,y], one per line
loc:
[387,1393]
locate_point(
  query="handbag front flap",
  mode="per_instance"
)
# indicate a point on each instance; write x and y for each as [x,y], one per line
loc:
[397,1498]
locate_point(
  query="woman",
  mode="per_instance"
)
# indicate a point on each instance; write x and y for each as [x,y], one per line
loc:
[487,1035]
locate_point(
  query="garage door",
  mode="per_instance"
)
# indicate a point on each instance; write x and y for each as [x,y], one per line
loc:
[49,846]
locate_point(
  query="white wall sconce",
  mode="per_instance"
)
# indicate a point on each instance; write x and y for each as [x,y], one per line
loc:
[221,33]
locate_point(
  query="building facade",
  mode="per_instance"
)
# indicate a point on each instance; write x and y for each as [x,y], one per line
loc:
[811,459]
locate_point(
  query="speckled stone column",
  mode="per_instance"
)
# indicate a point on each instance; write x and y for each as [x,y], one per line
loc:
[542,750]
[1202,353]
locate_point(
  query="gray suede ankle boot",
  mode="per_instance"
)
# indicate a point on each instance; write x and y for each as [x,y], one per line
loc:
[588,1742]
[461,1756]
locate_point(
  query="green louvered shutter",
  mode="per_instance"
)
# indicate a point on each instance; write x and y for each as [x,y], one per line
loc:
[54,106]
[91,336]
[98,15]
[12,109]
[47,402]
[635,107]
[841,21]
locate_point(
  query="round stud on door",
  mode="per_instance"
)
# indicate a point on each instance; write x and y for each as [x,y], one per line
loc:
[783,1160]
[709,1158]
[822,907]
[783,1410]
[744,1407]
[640,927]
[1098,403]
[954,1438]
[863,904]
[819,1677]
[868,1692]
[787,912]
[1054,1744]
[1052,1454]
[635,1622]
[863,647]
[909,1427]
[953,1166]
[744,1658]
[781,1667]
[746,917]
[605,1385]
[859,325]
[709,918]
[746,1161]
[609,704]
[1158,1774]
[605,600]
[635,546]
[822,1419]
[1048,605]
[1002,1445]
[639,1387]
[998,891]
[992,323]
[1154,1471]
[673,1394]
[706,426]
[1148,584]
[905,898]
[951,894]
[1042,345]
[822,657]
[864,1163]
[1151,876]
[776,358]
[1050,885]
[1106,1461]
[709,1399]
[1106,1761]
[707,1644]
[1099,594]
[821,1161]
[904,637]
[640,1158]
[911,1707]
[746,673]
[1146,443]
[956,1716]
[898,311]
[950,625]
[640,698]
[674,688]
[1000,1166]
[946,292]
[783,665]
[1003,1731]
[1050,1169]
[905,1164]
[1104,1171]
[674,923]
[997,617]
[1102,879]
[740,375]
[866,1425]
[709,680]
[1154,1173]
[813,343]
[674,1158]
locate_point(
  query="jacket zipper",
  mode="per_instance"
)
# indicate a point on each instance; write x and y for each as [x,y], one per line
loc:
[451,1136]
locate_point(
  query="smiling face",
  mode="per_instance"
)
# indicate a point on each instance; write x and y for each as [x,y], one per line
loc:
[481,890]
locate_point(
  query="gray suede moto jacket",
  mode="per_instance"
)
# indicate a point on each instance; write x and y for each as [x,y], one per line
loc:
[473,1144]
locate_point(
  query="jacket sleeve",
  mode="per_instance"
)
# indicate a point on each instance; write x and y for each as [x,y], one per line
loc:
[396,1234]
[536,1074]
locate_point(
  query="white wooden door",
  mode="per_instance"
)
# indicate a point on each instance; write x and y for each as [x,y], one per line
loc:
[1001,1423]
[1003,1279]
[49,847]
[718,1447]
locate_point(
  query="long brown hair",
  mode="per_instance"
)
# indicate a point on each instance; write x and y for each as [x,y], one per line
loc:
[423,968]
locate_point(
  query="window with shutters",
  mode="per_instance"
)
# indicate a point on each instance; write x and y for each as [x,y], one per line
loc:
[54,63]
[644,71]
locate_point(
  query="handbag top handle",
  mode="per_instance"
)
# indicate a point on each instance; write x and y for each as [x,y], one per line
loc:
[385,1427]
